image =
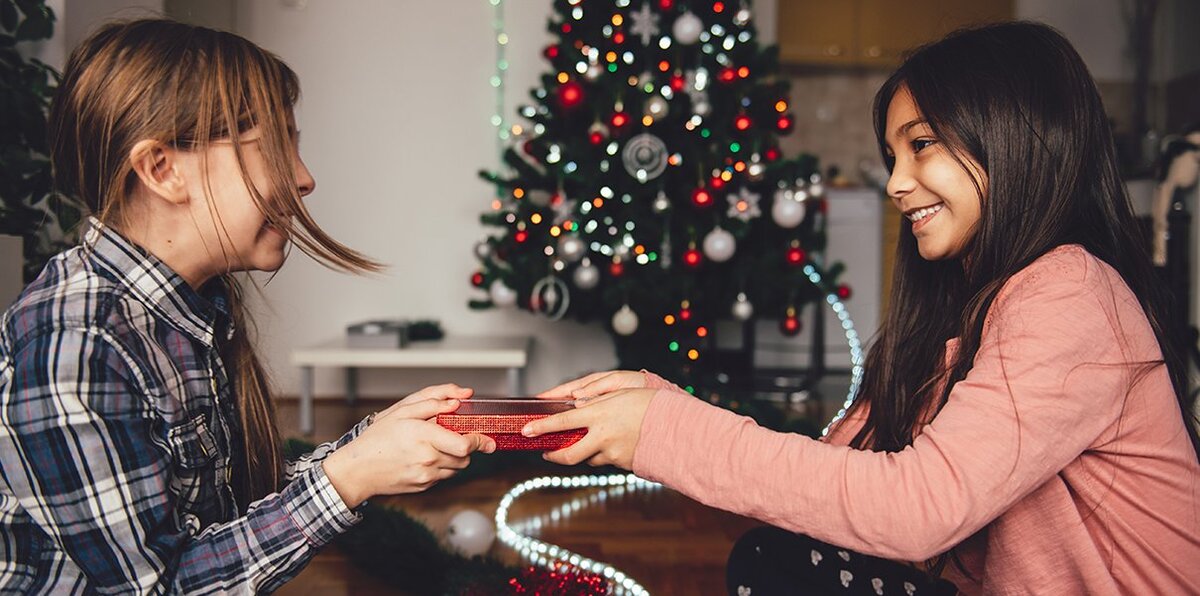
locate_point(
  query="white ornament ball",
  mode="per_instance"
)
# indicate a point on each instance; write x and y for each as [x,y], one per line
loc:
[593,72]
[701,107]
[625,322]
[586,276]
[742,309]
[501,294]
[470,532]
[719,245]
[687,28]
[661,203]
[787,212]
[571,248]
[657,106]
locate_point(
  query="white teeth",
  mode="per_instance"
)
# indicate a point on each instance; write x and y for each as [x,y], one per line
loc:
[920,214]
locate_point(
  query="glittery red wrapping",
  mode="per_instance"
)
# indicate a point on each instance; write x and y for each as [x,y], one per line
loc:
[505,429]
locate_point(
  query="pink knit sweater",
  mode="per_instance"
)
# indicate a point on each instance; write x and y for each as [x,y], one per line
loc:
[1053,468]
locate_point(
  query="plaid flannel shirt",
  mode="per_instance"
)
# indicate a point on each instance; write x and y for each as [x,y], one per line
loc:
[117,426]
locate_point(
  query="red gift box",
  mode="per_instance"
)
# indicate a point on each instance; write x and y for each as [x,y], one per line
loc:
[503,418]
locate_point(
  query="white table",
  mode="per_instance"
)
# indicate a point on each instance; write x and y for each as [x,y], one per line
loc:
[511,353]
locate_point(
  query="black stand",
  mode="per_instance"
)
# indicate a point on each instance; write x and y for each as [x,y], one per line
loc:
[1178,277]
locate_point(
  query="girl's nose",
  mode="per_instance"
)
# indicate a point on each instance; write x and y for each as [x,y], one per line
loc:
[901,182]
[304,178]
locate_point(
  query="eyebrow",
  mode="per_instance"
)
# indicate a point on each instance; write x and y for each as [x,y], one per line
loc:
[907,126]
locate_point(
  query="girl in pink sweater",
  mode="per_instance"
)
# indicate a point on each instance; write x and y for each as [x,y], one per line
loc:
[1024,425]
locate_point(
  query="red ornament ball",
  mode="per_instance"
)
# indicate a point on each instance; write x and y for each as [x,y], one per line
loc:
[790,325]
[477,279]
[701,197]
[596,138]
[727,75]
[741,122]
[795,255]
[677,82]
[717,182]
[784,123]
[617,269]
[772,153]
[551,52]
[666,4]
[843,292]
[566,27]
[685,314]
[619,119]
[691,257]
[521,236]
[619,37]
[570,94]
[718,7]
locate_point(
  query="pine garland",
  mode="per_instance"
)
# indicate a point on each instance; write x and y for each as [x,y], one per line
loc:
[403,552]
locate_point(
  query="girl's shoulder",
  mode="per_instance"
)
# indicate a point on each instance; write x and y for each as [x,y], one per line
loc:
[69,294]
[1062,268]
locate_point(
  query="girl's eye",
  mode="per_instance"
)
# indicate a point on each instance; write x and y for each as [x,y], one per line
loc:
[920,144]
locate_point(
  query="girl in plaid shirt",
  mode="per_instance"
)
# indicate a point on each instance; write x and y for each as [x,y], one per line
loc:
[138,448]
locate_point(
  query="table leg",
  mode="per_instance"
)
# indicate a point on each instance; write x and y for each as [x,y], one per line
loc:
[351,385]
[306,400]
[516,381]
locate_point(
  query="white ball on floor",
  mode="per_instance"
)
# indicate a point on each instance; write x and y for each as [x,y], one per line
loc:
[470,532]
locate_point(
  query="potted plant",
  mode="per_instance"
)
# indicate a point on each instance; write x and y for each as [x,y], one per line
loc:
[29,207]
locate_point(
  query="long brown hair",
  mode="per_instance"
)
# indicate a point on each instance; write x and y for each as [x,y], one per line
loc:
[1016,99]
[186,87]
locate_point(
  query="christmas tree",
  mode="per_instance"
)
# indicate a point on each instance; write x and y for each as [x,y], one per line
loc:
[647,189]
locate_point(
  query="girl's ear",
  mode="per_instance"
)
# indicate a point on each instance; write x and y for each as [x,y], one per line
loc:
[158,168]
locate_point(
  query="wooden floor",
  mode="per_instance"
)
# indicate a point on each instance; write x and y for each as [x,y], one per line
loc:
[666,542]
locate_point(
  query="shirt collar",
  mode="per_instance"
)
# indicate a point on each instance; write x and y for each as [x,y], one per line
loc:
[156,285]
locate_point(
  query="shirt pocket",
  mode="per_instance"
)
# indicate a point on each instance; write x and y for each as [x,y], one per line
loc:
[192,444]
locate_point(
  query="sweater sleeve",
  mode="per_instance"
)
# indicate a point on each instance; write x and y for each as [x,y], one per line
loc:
[1048,382]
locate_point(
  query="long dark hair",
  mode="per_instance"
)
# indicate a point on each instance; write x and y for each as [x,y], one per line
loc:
[1018,100]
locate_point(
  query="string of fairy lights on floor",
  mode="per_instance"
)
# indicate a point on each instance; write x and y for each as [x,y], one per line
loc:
[549,556]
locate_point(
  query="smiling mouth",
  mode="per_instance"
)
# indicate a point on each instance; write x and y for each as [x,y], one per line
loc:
[917,215]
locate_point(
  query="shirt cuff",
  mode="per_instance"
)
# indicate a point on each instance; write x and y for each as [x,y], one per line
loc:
[316,507]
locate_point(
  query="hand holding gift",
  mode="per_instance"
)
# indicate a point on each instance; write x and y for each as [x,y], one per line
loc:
[403,451]
[613,422]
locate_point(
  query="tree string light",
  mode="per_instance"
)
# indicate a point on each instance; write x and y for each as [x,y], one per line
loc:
[497,79]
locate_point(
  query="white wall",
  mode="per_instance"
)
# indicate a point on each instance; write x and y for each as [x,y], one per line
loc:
[1095,28]
[394,115]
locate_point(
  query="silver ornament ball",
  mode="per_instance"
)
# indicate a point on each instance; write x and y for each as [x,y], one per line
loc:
[586,276]
[625,322]
[787,212]
[742,308]
[571,248]
[719,245]
[501,294]
[657,106]
[661,203]
[687,28]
